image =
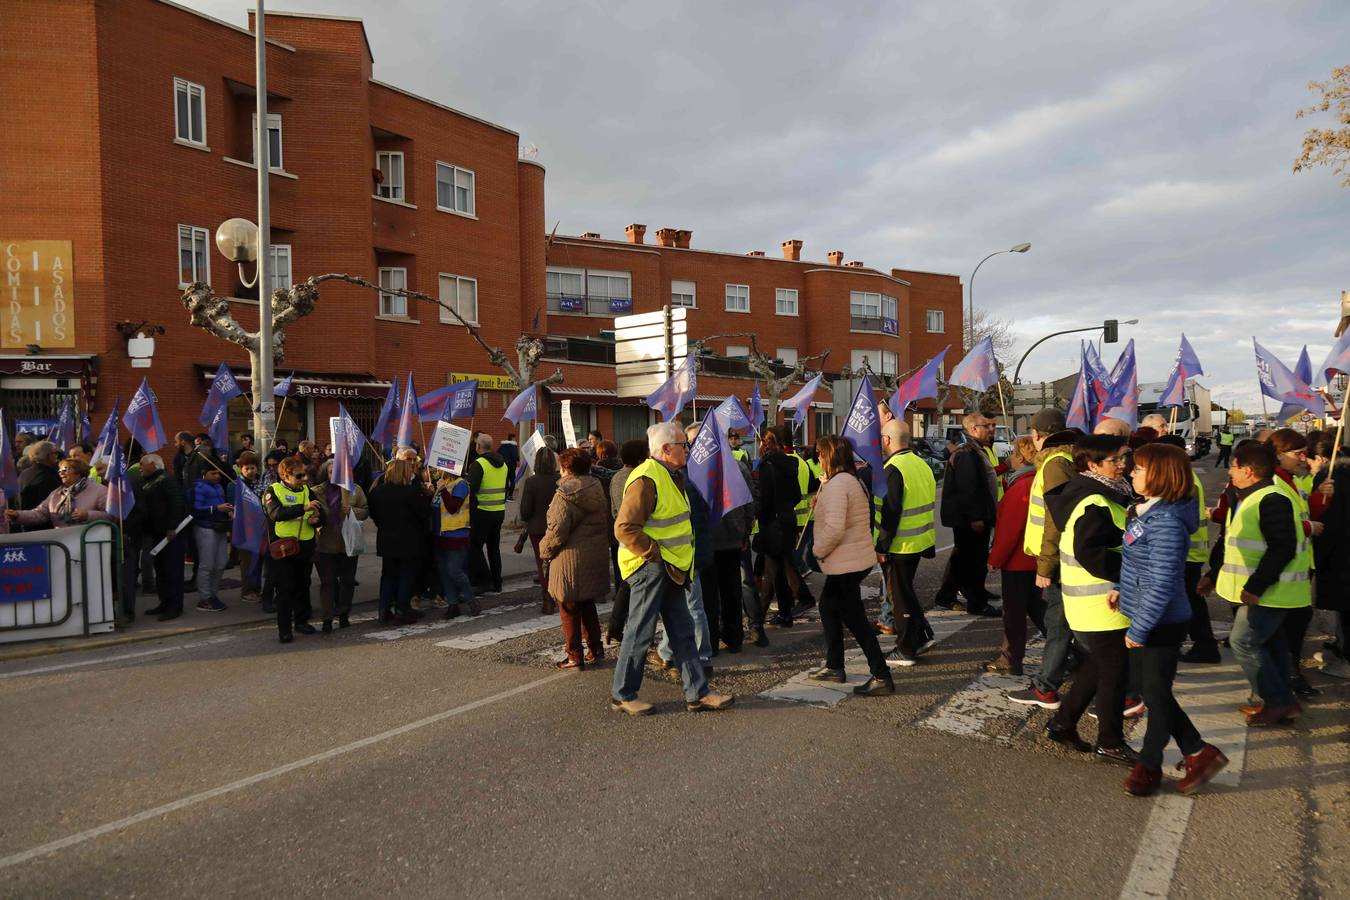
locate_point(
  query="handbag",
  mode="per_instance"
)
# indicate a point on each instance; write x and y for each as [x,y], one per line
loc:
[283,548]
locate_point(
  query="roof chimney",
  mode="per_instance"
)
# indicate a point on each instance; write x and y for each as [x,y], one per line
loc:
[682,238]
[855,264]
[836,257]
[792,250]
[635,233]
[594,235]
[755,253]
[665,237]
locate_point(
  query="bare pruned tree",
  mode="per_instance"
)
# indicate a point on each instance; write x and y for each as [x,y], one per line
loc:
[1328,146]
[761,366]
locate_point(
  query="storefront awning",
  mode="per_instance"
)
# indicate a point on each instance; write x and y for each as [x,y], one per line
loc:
[313,385]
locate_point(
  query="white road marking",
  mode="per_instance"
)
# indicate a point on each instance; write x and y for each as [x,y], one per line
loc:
[160,651]
[1159,846]
[490,636]
[822,693]
[192,800]
[393,634]
[972,710]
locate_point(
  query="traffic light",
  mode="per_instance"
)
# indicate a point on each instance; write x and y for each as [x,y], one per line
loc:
[1110,331]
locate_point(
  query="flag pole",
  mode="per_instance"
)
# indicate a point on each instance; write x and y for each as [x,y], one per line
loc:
[280,413]
[1004,408]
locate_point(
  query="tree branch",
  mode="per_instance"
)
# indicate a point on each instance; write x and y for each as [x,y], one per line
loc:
[212,314]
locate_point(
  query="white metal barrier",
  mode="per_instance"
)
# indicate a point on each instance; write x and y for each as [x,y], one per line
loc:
[58,582]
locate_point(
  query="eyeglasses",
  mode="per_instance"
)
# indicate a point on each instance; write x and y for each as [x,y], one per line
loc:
[1115,460]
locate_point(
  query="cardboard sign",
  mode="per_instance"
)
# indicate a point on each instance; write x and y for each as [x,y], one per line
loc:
[569,430]
[448,448]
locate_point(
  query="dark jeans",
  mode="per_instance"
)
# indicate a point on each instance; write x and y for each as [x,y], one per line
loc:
[1261,647]
[653,595]
[1058,637]
[337,582]
[1201,629]
[485,533]
[899,571]
[778,571]
[1223,456]
[841,605]
[454,580]
[1156,665]
[966,569]
[126,585]
[618,613]
[721,582]
[1021,599]
[398,577]
[290,581]
[1295,630]
[169,574]
[1102,675]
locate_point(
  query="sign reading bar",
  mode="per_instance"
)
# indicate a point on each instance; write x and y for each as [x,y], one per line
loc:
[485,382]
[39,294]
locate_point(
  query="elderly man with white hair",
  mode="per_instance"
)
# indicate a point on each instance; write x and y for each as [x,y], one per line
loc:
[1157,422]
[656,558]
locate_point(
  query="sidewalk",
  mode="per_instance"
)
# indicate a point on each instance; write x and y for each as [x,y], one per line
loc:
[518,569]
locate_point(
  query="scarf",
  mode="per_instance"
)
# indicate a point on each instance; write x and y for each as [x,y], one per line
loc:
[65,509]
[1118,486]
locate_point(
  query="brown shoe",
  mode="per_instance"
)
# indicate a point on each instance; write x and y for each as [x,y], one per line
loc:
[1142,781]
[1251,709]
[710,701]
[632,707]
[1273,715]
[571,663]
[1000,665]
[594,656]
[1200,767]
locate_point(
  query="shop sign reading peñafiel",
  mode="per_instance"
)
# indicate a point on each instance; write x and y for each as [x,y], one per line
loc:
[39,305]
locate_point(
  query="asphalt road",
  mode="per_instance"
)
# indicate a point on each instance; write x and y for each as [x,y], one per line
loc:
[357,766]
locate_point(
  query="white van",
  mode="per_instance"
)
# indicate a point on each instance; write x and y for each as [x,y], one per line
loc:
[1003,438]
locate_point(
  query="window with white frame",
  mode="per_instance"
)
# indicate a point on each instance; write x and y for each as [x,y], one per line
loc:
[785,301]
[788,355]
[880,362]
[683,293]
[608,286]
[872,311]
[281,266]
[461,295]
[737,350]
[888,307]
[194,260]
[865,304]
[738,298]
[937,321]
[393,279]
[454,189]
[390,164]
[565,283]
[274,160]
[189,112]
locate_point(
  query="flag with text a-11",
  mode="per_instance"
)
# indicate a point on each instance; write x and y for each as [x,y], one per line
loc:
[142,419]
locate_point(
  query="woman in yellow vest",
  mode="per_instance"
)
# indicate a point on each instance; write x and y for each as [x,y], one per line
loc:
[292,514]
[450,518]
[1293,475]
[1090,513]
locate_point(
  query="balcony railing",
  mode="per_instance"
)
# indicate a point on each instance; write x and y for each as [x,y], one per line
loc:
[873,323]
[582,305]
[587,350]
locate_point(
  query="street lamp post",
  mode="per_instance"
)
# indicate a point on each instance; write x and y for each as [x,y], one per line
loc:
[264,419]
[970,290]
[1018,371]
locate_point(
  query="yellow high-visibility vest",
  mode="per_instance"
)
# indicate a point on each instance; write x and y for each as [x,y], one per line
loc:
[292,528]
[1036,511]
[1243,547]
[1199,551]
[1084,593]
[492,489]
[668,526]
[915,532]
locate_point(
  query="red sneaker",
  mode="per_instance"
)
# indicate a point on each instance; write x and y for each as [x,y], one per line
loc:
[1142,781]
[1201,766]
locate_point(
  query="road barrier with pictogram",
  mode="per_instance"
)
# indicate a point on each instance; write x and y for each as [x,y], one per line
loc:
[58,582]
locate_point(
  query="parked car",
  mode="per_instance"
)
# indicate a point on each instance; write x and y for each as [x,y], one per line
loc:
[934,453]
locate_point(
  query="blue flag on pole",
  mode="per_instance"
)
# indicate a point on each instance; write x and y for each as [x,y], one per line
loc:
[978,371]
[407,415]
[249,531]
[756,409]
[1186,366]
[224,388]
[218,429]
[524,405]
[1079,414]
[283,387]
[714,473]
[1122,400]
[1303,371]
[800,401]
[862,430]
[921,384]
[108,436]
[86,427]
[348,442]
[1337,361]
[450,402]
[677,391]
[1278,383]
[142,419]
[121,499]
[731,414]
[9,472]
[387,422]
[1101,381]
[63,432]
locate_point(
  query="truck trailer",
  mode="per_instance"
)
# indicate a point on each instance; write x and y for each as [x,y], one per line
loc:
[1195,419]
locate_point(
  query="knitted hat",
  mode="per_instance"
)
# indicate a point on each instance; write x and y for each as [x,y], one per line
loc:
[1048,421]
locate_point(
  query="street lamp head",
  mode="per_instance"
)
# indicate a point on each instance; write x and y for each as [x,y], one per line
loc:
[237,240]
[1130,322]
[1020,248]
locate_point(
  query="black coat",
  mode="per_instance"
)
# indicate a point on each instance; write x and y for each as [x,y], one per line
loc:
[966,494]
[164,506]
[402,513]
[36,484]
[779,493]
[1329,548]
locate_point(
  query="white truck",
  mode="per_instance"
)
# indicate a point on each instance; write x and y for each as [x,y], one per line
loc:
[1195,420]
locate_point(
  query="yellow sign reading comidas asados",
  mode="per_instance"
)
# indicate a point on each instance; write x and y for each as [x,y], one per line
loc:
[39,299]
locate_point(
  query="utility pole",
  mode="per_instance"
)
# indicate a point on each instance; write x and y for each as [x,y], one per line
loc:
[264,418]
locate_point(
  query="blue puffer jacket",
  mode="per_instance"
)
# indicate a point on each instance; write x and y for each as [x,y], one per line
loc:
[1153,566]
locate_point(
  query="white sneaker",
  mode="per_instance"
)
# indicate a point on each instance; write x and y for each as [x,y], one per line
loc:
[899,659]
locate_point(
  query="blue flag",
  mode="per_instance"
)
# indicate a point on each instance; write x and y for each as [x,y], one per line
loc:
[1079,414]
[108,436]
[921,384]
[862,430]
[142,419]
[1101,381]
[535,328]
[224,388]
[1278,383]
[249,531]
[756,408]
[218,429]
[386,425]
[1303,371]
[63,432]
[348,442]
[1186,366]
[283,387]
[1122,400]
[800,401]
[9,471]
[450,402]
[978,371]
[714,472]
[121,499]
[731,414]
[1337,361]
[407,415]
[86,427]
[523,406]
[677,391]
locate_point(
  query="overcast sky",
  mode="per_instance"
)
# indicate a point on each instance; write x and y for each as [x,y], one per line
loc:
[1144,149]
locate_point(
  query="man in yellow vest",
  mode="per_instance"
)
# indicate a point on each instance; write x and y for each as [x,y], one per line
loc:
[734,440]
[1263,564]
[656,558]
[487,511]
[808,483]
[969,508]
[905,535]
[1225,447]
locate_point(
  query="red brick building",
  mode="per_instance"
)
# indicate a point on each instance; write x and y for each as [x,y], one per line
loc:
[134,140]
